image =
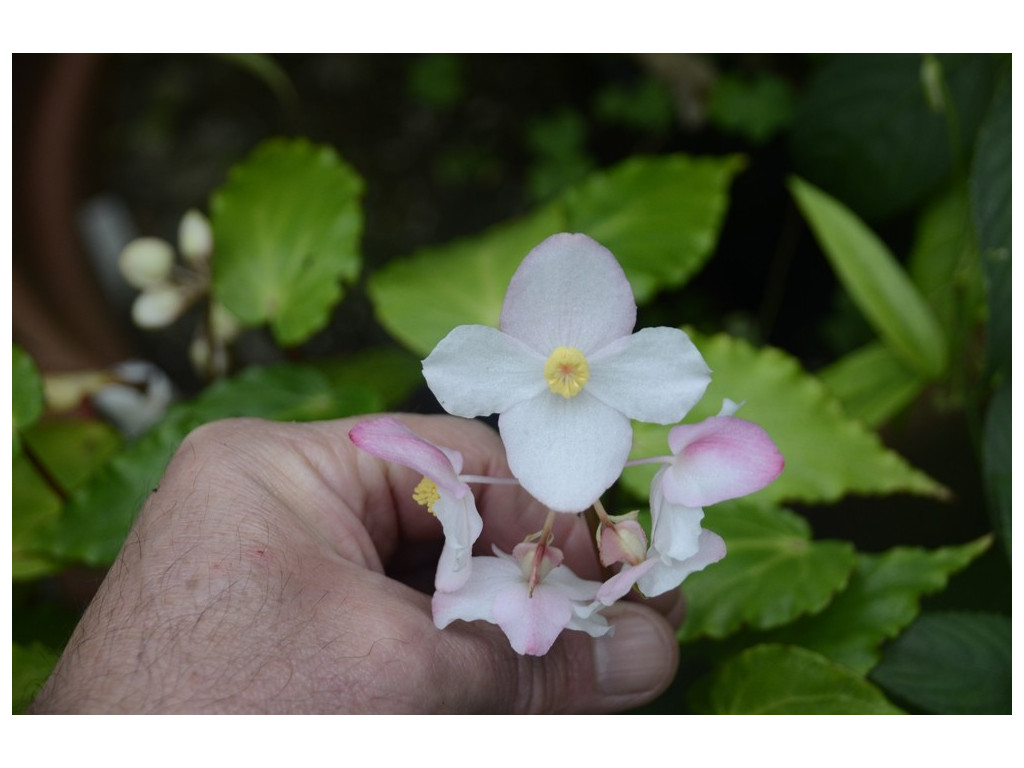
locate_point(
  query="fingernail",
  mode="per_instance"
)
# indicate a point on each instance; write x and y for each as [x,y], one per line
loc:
[639,656]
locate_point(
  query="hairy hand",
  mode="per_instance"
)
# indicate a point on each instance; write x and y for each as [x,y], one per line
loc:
[278,569]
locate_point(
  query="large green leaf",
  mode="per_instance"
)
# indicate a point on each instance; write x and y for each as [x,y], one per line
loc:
[772,572]
[389,372]
[781,680]
[420,299]
[35,507]
[872,383]
[882,598]
[866,132]
[996,464]
[98,517]
[875,281]
[660,216]
[991,192]
[286,230]
[30,666]
[951,663]
[26,391]
[827,453]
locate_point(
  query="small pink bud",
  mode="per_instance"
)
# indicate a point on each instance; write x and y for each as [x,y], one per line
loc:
[536,560]
[622,542]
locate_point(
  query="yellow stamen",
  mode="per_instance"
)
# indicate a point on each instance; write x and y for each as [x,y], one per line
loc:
[566,371]
[426,493]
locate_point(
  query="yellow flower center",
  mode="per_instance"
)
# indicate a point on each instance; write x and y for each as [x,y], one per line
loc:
[426,493]
[566,371]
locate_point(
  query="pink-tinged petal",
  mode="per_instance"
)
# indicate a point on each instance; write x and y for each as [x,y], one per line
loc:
[474,601]
[619,585]
[664,577]
[565,452]
[462,527]
[569,291]
[389,439]
[587,619]
[477,371]
[532,623]
[655,375]
[720,458]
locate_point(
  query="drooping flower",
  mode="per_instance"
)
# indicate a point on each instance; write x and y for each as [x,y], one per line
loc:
[442,491]
[566,373]
[529,594]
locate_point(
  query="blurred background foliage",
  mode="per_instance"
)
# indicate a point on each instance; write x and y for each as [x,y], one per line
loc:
[833,230]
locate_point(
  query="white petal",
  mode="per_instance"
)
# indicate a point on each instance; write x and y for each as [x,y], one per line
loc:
[675,529]
[462,527]
[664,577]
[532,623]
[568,291]
[565,452]
[475,599]
[477,371]
[719,458]
[655,375]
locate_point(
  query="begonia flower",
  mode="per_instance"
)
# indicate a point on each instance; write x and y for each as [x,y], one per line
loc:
[442,491]
[566,373]
[532,600]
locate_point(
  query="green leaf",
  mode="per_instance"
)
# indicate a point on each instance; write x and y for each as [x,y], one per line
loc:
[882,598]
[991,184]
[875,281]
[996,464]
[951,663]
[72,448]
[772,572]
[31,665]
[872,384]
[801,416]
[99,515]
[26,391]
[754,108]
[35,507]
[659,216]
[780,680]
[389,372]
[865,131]
[286,230]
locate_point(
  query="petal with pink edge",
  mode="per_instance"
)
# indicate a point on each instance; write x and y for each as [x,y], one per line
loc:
[720,458]
[569,291]
[389,439]
[664,577]
[532,623]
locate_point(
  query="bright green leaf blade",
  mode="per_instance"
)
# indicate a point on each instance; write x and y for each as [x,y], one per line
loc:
[660,216]
[872,384]
[389,372]
[780,680]
[875,280]
[31,665]
[26,392]
[286,230]
[754,108]
[35,507]
[801,416]
[996,463]
[991,204]
[882,598]
[72,449]
[772,572]
[420,299]
[98,516]
[951,663]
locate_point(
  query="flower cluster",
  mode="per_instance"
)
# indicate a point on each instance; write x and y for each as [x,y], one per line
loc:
[567,376]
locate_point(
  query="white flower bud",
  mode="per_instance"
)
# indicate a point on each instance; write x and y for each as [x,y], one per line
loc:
[195,238]
[158,307]
[224,326]
[146,262]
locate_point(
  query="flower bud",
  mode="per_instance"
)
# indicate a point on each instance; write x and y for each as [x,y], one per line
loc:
[534,570]
[158,307]
[146,262]
[622,542]
[195,238]
[224,326]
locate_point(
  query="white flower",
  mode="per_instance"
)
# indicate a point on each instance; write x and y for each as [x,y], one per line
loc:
[566,373]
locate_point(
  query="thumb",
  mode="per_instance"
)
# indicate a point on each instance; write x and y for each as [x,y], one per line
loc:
[628,667]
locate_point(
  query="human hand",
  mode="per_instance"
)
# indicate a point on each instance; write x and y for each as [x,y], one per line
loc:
[274,571]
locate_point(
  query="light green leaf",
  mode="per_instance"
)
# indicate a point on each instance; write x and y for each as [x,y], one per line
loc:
[99,515]
[827,454]
[26,391]
[72,448]
[286,230]
[420,299]
[875,281]
[780,680]
[882,598]
[952,663]
[754,108]
[772,572]
[35,507]
[660,216]
[31,665]
[872,384]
